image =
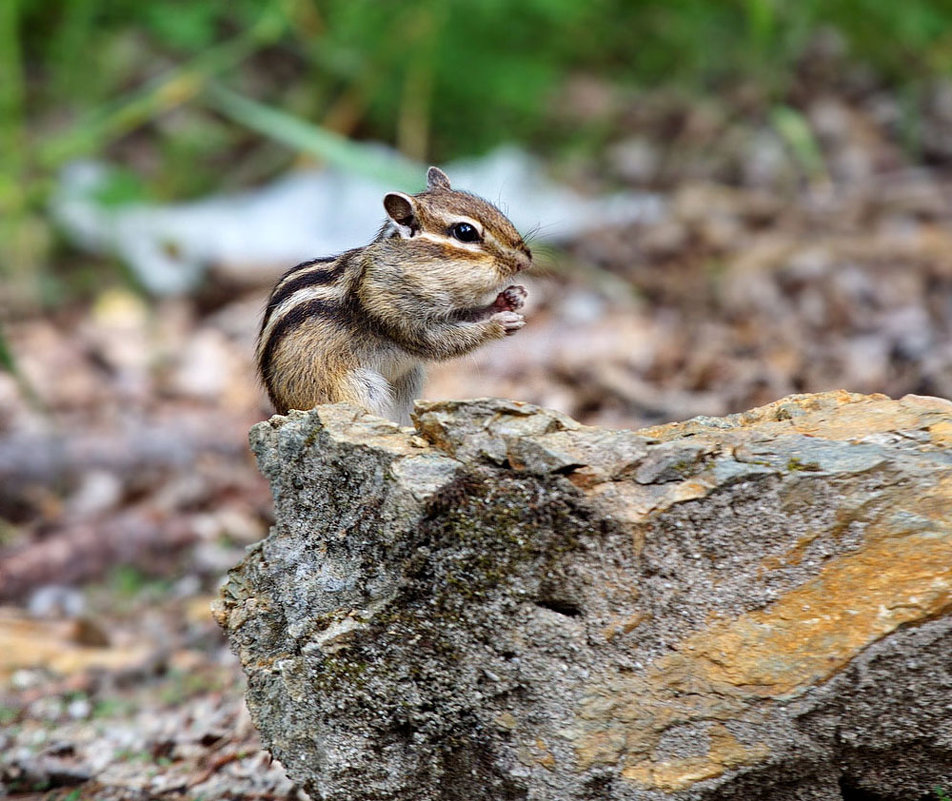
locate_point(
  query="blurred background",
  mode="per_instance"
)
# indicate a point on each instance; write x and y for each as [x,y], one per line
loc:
[729,202]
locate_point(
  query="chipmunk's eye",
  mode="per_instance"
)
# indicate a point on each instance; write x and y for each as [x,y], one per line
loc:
[464,232]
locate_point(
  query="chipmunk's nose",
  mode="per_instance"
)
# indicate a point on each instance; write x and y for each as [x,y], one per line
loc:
[523,259]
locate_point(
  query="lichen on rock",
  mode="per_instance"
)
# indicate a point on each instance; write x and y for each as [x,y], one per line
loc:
[505,604]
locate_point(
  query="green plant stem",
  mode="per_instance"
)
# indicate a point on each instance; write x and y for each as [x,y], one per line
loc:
[319,142]
[12,161]
[797,133]
[176,87]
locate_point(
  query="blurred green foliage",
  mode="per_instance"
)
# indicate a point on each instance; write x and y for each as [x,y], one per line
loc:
[439,77]
[192,96]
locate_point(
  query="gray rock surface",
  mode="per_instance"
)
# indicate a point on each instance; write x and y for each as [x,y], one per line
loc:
[504,604]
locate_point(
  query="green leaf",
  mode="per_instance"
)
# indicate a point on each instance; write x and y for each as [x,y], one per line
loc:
[120,188]
[7,362]
[796,132]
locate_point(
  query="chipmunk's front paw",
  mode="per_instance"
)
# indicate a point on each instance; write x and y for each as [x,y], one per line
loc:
[512,298]
[510,321]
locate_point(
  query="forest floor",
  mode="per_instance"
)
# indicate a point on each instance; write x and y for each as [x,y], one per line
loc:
[127,489]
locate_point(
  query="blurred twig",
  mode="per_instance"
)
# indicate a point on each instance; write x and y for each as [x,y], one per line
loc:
[414,117]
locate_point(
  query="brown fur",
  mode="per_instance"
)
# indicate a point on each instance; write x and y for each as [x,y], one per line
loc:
[357,328]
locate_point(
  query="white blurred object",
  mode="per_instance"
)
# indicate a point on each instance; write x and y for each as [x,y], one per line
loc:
[56,601]
[308,214]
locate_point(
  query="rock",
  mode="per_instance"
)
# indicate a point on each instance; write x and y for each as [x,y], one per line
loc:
[505,604]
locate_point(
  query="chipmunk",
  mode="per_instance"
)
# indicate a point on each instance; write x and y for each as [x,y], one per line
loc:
[358,327]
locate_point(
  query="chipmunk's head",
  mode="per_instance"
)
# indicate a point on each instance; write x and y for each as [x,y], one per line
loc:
[464,227]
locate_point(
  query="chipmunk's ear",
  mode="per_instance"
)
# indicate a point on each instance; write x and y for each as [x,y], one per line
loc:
[436,179]
[401,209]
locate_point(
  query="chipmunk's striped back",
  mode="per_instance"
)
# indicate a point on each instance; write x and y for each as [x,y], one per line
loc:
[311,295]
[356,327]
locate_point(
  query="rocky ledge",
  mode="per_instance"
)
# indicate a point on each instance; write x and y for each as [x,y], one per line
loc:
[505,604]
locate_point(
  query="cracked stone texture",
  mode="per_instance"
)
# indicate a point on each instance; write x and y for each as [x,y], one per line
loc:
[505,604]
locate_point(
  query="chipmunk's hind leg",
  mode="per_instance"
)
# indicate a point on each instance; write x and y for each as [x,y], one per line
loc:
[368,389]
[406,389]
